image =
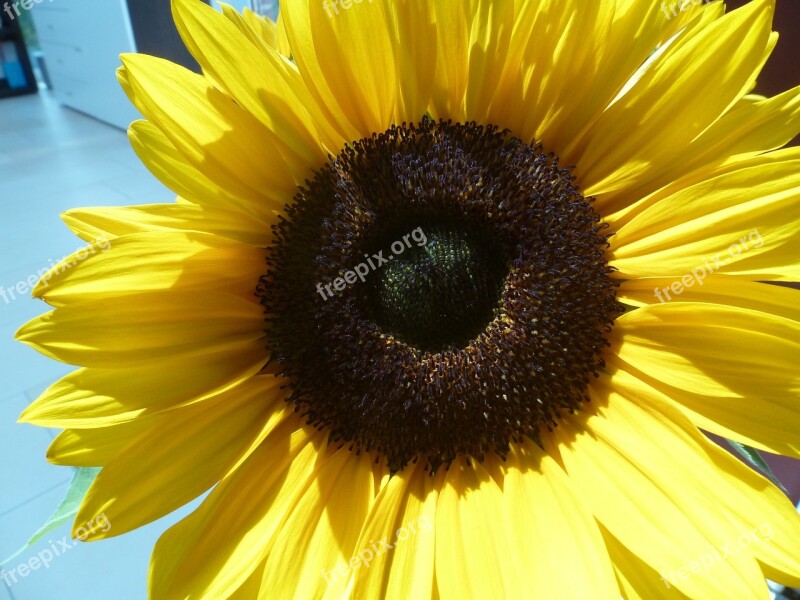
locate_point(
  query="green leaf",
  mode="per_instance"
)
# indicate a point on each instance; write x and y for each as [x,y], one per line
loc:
[754,458]
[66,511]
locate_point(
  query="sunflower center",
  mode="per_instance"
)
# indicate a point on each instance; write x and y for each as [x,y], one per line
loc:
[438,290]
[442,291]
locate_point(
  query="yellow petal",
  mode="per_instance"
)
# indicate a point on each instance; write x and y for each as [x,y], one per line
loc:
[213,551]
[258,78]
[489,39]
[251,589]
[620,218]
[546,513]
[214,134]
[638,581]
[262,31]
[471,513]
[751,127]
[152,261]
[347,56]
[767,422]
[266,27]
[763,521]
[322,530]
[398,540]
[89,398]
[93,224]
[556,52]
[614,58]
[96,447]
[661,112]
[713,350]
[742,222]
[452,65]
[183,177]
[416,42]
[770,419]
[138,329]
[179,459]
[722,289]
[623,461]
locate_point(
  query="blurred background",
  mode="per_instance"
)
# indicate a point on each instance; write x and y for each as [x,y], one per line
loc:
[63,145]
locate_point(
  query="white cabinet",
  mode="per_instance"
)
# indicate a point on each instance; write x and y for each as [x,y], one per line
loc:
[82,41]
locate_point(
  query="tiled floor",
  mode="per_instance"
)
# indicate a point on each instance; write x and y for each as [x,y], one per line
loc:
[52,159]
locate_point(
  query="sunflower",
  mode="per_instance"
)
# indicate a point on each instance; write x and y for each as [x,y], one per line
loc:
[449,292]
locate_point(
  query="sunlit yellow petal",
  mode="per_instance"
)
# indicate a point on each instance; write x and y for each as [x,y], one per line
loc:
[105,397]
[322,530]
[178,261]
[346,57]
[119,331]
[623,145]
[546,512]
[638,491]
[96,223]
[182,462]
[214,550]
[218,137]
[190,180]
[713,350]
[470,513]
[258,79]
[397,540]
[738,223]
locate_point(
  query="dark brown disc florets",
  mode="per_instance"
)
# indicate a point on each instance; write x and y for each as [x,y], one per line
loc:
[438,290]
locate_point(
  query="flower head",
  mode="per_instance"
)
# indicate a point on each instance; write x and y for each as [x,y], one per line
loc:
[448,293]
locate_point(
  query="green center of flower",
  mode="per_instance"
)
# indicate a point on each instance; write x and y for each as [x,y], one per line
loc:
[442,291]
[438,290]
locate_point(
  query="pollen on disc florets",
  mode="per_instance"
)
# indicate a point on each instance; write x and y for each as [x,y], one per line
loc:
[485,328]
